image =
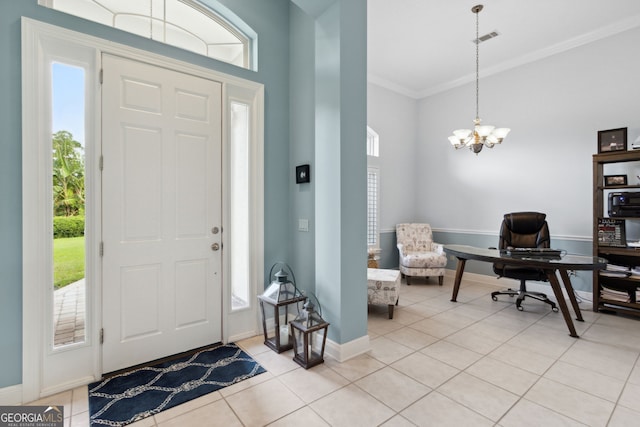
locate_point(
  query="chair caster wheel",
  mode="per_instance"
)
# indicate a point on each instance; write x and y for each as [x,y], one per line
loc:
[511,295]
[554,309]
[493,297]
[520,308]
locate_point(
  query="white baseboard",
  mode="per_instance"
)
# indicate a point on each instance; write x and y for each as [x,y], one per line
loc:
[11,396]
[243,335]
[346,351]
[59,388]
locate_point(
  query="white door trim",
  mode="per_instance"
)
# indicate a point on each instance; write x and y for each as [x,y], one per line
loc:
[36,128]
[39,52]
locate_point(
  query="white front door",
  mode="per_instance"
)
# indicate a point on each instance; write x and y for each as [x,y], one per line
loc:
[161,212]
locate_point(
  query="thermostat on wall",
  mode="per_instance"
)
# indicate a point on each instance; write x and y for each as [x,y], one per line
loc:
[302,174]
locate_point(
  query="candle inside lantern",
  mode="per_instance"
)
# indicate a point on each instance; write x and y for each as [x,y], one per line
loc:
[284,335]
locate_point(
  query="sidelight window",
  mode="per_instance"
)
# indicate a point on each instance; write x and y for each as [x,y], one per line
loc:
[239,201]
[68,185]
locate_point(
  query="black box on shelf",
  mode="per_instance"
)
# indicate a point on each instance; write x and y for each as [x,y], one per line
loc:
[611,232]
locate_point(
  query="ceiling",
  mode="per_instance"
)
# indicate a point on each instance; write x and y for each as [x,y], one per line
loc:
[422,47]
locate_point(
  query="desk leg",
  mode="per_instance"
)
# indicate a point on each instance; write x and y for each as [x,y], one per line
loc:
[572,296]
[456,283]
[557,290]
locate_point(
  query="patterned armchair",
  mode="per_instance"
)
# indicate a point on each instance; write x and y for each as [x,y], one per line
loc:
[419,255]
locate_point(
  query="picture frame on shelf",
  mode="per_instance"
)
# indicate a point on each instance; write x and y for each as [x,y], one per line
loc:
[612,140]
[614,180]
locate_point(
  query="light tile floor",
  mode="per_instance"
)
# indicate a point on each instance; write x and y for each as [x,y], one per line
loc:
[472,363]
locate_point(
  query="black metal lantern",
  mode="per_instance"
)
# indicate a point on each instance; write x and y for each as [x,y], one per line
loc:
[275,301]
[309,336]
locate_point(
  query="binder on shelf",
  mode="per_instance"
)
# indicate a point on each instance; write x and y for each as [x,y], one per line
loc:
[608,273]
[611,232]
[613,270]
[614,295]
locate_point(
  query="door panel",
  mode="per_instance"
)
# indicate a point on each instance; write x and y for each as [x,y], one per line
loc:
[191,188]
[141,185]
[140,311]
[191,294]
[162,197]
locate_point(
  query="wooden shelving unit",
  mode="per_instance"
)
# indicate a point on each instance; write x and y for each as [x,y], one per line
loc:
[624,256]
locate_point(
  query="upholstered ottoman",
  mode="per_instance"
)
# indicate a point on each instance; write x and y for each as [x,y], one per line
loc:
[383,287]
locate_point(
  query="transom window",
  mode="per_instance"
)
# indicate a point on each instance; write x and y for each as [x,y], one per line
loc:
[187,24]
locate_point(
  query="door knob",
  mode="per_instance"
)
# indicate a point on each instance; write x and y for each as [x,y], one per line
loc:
[215,247]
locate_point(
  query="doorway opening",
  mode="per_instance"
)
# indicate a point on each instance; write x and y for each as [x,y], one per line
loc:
[48,367]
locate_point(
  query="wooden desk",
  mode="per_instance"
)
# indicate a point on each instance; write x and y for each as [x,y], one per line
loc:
[550,267]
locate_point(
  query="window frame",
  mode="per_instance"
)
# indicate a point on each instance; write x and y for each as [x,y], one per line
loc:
[373,170]
[373,167]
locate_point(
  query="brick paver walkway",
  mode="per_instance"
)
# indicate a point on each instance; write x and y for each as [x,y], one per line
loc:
[69,313]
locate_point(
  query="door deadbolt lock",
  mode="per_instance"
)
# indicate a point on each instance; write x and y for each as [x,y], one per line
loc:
[215,230]
[215,247]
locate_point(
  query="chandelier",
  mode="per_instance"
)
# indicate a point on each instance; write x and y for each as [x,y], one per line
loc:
[481,135]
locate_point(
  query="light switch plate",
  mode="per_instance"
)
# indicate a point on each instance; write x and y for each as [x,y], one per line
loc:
[303,224]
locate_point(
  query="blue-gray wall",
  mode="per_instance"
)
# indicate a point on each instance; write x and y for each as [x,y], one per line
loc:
[350,202]
[11,201]
[335,200]
[301,148]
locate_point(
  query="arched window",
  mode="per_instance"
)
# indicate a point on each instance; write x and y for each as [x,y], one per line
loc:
[187,24]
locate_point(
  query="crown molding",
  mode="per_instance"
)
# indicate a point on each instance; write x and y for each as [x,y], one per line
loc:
[621,26]
[394,87]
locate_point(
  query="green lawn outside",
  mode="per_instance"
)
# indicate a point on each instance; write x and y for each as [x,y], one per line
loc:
[68,261]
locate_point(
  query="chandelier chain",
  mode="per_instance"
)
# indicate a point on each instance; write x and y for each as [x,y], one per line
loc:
[477,66]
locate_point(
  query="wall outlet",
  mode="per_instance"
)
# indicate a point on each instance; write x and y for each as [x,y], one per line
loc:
[303,224]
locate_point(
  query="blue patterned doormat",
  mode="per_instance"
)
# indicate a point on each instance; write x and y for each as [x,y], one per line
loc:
[131,396]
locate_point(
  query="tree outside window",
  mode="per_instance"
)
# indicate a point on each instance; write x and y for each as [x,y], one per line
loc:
[68,175]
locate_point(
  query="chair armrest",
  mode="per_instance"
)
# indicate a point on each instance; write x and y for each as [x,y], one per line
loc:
[437,248]
[400,247]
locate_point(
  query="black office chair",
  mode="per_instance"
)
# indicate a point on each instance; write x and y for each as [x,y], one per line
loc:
[523,230]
